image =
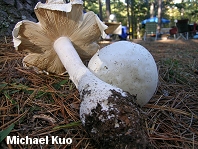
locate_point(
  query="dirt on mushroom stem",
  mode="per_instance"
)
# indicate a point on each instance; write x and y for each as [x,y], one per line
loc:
[102,104]
[122,125]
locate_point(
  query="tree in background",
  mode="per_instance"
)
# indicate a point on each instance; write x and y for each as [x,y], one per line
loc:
[133,12]
[100,10]
[159,15]
[108,9]
[138,11]
[91,5]
[152,8]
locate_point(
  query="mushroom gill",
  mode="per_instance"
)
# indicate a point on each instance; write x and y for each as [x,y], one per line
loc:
[37,38]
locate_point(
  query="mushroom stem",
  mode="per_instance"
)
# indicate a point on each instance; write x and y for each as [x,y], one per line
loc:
[92,90]
[108,113]
[81,76]
[70,59]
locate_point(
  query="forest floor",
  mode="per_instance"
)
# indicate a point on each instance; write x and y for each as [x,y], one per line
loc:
[40,105]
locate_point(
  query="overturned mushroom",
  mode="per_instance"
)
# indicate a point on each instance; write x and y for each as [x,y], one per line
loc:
[128,66]
[109,114]
[57,19]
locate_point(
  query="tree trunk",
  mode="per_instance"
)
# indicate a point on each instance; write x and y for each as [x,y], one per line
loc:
[129,20]
[159,15]
[84,3]
[132,18]
[108,9]
[100,10]
[152,9]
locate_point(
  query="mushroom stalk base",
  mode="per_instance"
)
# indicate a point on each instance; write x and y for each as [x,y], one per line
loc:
[109,114]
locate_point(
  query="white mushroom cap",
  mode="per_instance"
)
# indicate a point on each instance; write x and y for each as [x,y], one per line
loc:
[128,66]
[59,5]
[57,19]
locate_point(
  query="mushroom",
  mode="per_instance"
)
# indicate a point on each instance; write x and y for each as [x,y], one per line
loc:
[56,19]
[128,66]
[108,113]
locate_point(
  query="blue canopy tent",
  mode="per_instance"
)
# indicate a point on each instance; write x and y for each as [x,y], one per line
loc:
[155,19]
